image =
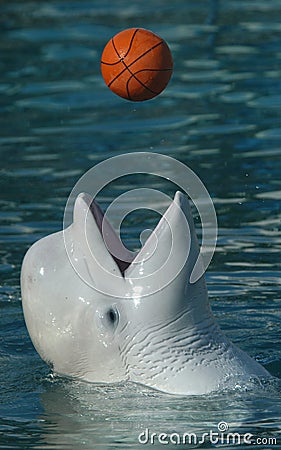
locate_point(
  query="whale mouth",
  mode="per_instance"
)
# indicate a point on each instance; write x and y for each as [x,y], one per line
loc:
[99,256]
[111,239]
[151,252]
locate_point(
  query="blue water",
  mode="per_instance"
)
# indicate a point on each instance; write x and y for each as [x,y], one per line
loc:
[221,116]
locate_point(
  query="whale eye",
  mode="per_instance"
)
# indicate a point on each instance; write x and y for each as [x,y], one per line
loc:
[112,316]
[107,319]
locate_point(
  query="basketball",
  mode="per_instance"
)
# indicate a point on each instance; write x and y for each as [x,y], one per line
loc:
[136,64]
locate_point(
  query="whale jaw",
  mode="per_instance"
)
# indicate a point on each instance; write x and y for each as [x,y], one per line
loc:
[213,364]
[97,313]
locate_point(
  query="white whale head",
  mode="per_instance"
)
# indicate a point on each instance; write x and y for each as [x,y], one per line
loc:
[106,318]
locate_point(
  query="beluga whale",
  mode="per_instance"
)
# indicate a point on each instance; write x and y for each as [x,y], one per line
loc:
[98,313]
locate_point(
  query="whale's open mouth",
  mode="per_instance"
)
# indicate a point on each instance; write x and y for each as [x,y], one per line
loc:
[124,258]
[112,240]
[100,258]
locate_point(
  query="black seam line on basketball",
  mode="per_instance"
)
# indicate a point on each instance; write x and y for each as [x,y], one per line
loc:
[140,82]
[153,70]
[114,63]
[129,48]
[131,42]
[110,64]
[133,76]
[127,90]
[143,54]
[127,66]
[121,59]
[144,85]
[117,76]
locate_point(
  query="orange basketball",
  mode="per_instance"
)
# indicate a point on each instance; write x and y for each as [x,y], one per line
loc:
[136,64]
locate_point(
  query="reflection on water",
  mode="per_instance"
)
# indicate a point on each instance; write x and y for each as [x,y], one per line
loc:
[74,409]
[220,115]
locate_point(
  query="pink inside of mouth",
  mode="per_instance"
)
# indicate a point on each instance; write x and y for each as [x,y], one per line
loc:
[112,240]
